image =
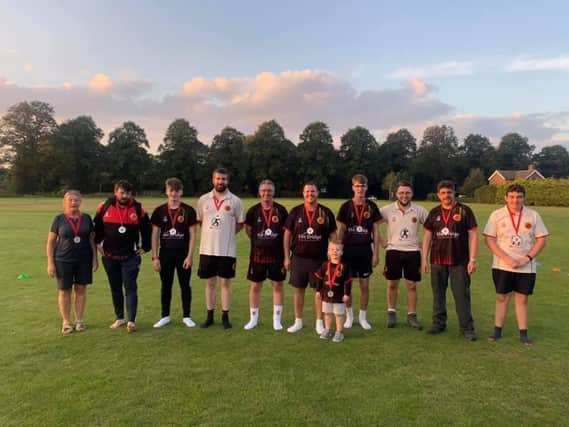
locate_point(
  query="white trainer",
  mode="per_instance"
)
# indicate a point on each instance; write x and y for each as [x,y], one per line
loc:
[297,326]
[162,322]
[189,322]
[320,326]
[252,324]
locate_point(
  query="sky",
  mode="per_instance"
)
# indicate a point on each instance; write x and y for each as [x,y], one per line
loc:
[481,67]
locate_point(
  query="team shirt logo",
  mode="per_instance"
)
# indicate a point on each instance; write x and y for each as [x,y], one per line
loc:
[404,234]
[133,216]
[320,220]
[180,219]
[414,220]
[275,219]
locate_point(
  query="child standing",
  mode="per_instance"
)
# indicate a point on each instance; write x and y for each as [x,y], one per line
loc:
[334,283]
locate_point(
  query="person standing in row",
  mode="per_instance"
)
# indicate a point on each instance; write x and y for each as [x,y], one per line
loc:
[358,229]
[402,254]
[308,228]
[173,244]
[264,224]
[451,239]
[120,224]
[221,216]
[72,259]
[516,235]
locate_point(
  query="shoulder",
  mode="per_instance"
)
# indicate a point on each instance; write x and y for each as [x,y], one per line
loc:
[86,217]
[253,209]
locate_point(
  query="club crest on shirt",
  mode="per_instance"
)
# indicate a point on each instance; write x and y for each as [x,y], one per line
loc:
[227,208]
[180,218]
[275,219]
[456,217]
[414,220]
[527,225]
[320,220]
[367,215]
[133,216]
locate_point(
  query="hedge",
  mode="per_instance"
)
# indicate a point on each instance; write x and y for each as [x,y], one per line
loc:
[548,192]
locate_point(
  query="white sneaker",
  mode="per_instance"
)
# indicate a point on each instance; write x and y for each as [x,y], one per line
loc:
[364,323]
[349,322]
[162,322]
[252,324]
[189,322]
[277,325]
[297,326]
[320,326]
[277,314]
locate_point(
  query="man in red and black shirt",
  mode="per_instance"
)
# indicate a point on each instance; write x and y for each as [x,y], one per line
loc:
[450,236]
[120,223]
[264,225]
[307,230]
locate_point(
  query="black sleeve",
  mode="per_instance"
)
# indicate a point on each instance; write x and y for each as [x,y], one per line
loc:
[289,223]
[145,232]
[192,216]
[343,214]
[155,218]
[249,217]
[376,214]
[429,221]
[90,221]
[98,224]
[332,225]
[55,225]
[470,219]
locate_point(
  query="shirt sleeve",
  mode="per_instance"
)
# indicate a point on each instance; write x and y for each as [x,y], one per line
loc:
[423,214]
[540,229]
[332,222]
[428,224]
[289,222]
[470,219]
[376,213]
[155,218]
[55,225]
[490,228]
[342,214]
[89,221]
[239,212]
[249,220]
[192,219]
[199,209]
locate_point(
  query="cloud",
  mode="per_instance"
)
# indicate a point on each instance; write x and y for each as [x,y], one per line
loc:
[443,69]
[558,63]
[100,83]
[28,68]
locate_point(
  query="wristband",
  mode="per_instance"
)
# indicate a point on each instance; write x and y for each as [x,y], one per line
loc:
[530,257]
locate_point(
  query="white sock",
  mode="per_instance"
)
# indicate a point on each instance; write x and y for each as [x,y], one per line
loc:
[363,320]
[296,327]
[363,314]
[253,320]
[349,318]
[277,313]
[391,310]
[320,326]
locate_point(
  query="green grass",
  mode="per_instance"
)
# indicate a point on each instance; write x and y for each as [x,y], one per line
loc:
[212,377]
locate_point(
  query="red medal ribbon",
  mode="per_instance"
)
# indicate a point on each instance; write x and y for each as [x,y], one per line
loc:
[332,280]
[76,227]
[359,213]
[446,218]
[267,217]
[217,203]
[172,217]
[516,226]
[310,218]
[119,211]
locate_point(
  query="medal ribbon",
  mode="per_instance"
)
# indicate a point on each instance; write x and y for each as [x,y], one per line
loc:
[217,203]
[310,218]
[76,227]
[359,213]
[516,226]
[332,280]
[172,216]
[119,211]
[446,218]
[268,217]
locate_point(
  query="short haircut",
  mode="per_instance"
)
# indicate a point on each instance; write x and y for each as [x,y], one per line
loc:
[359,178]
[221,171]
[403,183]
[446,183]
[312,183]
[72,193]
[267,182]
[123,184]
[335,243]
[175,184]
[516,188]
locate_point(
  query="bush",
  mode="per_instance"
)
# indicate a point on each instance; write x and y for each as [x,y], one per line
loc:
[485,194]
[549,192]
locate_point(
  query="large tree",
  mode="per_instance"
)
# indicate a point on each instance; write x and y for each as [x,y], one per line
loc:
[478,152]
[228,150]
[23,129]
[553,161]
[272,156]
[127,157]
[514,152]
[398,150]
[317,158]
[183,155]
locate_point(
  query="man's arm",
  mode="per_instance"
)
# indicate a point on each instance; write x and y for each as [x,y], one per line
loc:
[376,243]
[286,247]
[427,238]
[472,249]
[155,245]
[191,247]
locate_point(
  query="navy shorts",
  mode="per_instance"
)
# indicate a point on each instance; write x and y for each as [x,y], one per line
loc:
[508,281]
[212,266]
[73,273]
[402,264]
[259,272]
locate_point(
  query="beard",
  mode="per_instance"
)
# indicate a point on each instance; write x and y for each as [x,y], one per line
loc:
[220,188]
[407,203]
[123,201]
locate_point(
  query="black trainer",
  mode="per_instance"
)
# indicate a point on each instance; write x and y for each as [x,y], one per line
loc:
[470,335]
[435,330]
[526,340]
[414,322]
[208,321]
[494,337]
[391,319]
[225,320]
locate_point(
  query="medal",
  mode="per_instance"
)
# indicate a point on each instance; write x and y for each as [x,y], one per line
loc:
[332,279]
[516,238]
[310,220]
[172,232]
[267,219]
[122,229]
[217,204]
[172,215]
[268,232]
[75,227]
[446,218]
[331,294]
[359,229]
[359,215]
[445,231]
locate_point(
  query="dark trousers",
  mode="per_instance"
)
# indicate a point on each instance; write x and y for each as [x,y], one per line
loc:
[167,267]
[123,273]
[460,286]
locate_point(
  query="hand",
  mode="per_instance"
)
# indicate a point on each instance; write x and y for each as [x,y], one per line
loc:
[187,262]
[374,260]
[425,267]
[512,263]
[156,264]
[51,269]
[346,298]
[525,260]
[286,264]
[471,268]
[140,252]
[383,244]
[95,263]
[100,249]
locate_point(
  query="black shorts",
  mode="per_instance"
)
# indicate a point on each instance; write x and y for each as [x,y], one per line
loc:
[358,258]
[212,266]
[302,271]
[508,281]
[258,272]
[73,273]
[405,264]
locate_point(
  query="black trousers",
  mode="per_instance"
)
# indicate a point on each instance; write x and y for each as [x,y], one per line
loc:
[123,273]
[169,265]
[460,286]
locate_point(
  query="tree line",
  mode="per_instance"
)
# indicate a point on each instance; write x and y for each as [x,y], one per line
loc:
[41,156]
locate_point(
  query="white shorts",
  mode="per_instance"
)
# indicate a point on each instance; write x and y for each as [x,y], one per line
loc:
[336,308]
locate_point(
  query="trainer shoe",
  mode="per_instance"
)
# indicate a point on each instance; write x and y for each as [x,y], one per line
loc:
[277,325]
[526,341]
[435,330]
[131,327]
[494,337]
[251,324]
[391,319]
[189,322]
[297,326]
[326,334]
[320,326]
[225,321]
[338,337]
[117,324]
[470,335]
[363,322]
[413,321]
[162,322]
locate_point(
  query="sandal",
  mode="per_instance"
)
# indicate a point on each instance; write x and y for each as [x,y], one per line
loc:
[80,326]
[117,324]
[66,329]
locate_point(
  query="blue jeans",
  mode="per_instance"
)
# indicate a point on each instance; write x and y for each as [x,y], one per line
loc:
[123,273]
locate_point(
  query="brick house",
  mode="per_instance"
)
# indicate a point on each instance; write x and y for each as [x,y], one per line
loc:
[502,176]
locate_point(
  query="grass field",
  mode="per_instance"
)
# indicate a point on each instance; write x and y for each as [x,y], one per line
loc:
[180,376]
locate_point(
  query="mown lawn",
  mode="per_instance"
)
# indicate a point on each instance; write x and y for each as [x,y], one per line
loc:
[214,377]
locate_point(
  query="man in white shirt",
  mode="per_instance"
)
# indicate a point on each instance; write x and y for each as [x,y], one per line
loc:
[515,235]
[403,253]
[221,216]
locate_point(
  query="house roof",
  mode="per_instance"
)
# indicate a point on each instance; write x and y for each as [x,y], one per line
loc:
[512,175]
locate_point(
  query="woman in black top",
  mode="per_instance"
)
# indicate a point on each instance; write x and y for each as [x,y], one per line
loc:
[72,258]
